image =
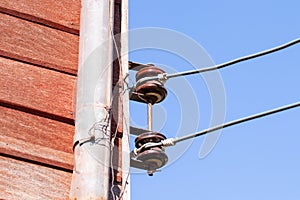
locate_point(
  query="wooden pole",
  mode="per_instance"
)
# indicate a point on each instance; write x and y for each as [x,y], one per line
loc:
[92,141]
[126,134]
[119,176]
[101,141]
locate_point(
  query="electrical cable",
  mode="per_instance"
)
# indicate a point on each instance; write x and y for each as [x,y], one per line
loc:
[165,76]
[173,141]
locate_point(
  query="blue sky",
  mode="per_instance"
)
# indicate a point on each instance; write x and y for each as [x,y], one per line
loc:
[254,160]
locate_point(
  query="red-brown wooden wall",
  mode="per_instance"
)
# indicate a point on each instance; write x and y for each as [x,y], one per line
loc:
[38,64]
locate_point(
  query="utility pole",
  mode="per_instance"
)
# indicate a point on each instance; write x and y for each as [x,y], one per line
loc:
[101,140]
[119,172]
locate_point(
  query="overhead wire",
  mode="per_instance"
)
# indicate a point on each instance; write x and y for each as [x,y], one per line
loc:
[165,76]
[173,141]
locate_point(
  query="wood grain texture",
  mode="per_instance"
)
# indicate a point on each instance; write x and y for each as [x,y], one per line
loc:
[36,138]
[63,14]
[37,88]
[21,180]
[37,44]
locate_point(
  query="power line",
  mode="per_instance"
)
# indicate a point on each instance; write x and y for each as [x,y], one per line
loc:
[166,76]
[163,77]
[173,141]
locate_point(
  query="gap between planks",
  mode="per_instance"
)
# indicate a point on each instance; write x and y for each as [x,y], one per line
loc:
[63,15]
[40,45]
[37,90]
[36,139]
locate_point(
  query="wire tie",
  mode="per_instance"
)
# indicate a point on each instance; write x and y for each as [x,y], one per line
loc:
[162,77]
[168,142]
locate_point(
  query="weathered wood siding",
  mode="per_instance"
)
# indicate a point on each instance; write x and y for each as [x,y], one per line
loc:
[42,91]
[38,66]
[26,41]
[35,138]
[62,15]
[23,180]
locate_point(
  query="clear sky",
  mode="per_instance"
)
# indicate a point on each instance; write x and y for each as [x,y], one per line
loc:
[255,160]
